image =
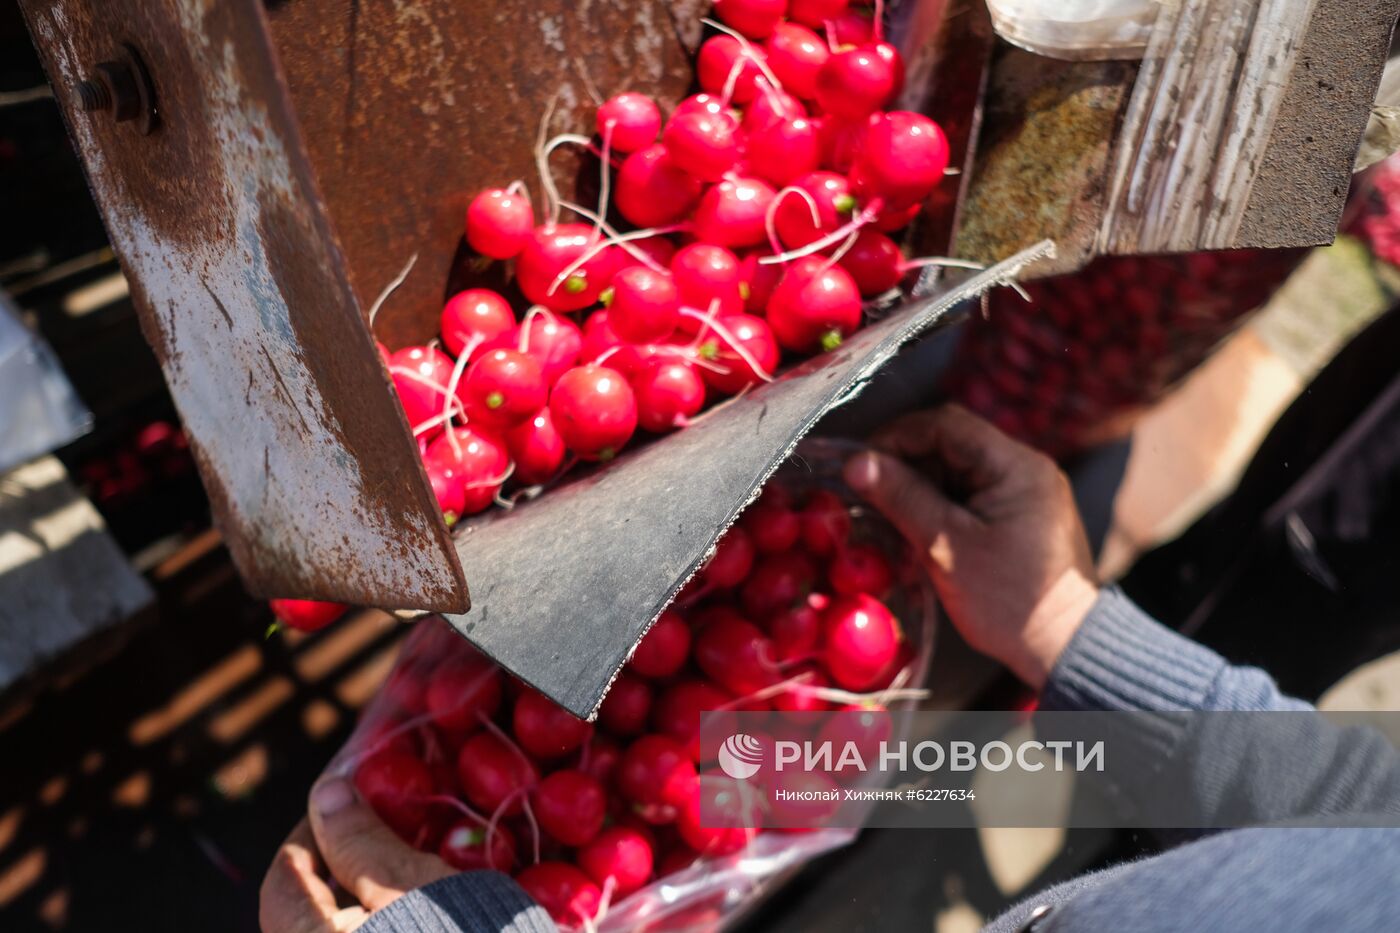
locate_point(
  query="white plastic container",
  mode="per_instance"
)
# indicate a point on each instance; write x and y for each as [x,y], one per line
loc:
[1082,30]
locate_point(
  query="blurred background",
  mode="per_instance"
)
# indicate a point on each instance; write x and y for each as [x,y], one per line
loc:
[156,744]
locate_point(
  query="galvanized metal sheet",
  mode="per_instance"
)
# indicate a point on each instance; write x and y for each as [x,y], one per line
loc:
[314,479]
[409,109]
[566,585]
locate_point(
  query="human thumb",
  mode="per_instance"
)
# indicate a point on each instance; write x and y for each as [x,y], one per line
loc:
[909,501]
[363,853]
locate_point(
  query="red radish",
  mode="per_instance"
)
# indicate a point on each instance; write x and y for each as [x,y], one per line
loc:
[598,335]
[545,729]
[897,218]
[598,758]
[874,262]
[756,339]
[793,215]
[855,83]
[657,776]
[796,55]
[864,724]
[734,801]
[815,306]
[778,582]
[706,146]
[732,560]
[754,18]
[552,340]
[757,281]
[826,523]
[703,103]
[407,692]
[891,56]
[478,460]
[840,142]
[463,692]
[652,190]
[306,615]
[396,785]
[773,526]
[677,709]
[626,707]
[736,655]
[902,160]
[785,150]
[860,568]
[853,27]
[620,854]
[862,641]
[664,649]
[704,274]
[732,213]
[595,411]
[570,806]
[769,107]
[421,375]
[815,13]
[474,316]
[503,388]
[465,847]
[795,631]
[799,699]
[669,392]
[565,893]
[645,305]
[657,248]
[723,59]
[391,735]
[677,859]
[634,118]
[536,449]
[545,269]
[499,222]
[492,772]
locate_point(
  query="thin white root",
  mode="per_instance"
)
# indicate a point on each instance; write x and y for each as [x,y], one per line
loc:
[535,312]
[749,52]
[770,217]
[845,248]
[518,187]
[593,93]
[816,246]
[611,231]
[493,481]
[728,337]
[391,288]
[605,170]
[599,247]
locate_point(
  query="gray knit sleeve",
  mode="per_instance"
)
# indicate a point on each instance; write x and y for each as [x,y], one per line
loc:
[472,902]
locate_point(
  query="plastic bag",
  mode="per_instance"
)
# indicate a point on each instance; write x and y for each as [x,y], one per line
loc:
[38,408]
[407,719]
[1077,30]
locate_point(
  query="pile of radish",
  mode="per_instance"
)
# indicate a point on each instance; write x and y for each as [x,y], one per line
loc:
[790,615]
[750,225]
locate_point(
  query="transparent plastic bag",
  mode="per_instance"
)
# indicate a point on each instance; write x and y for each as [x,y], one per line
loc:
[407,717]
[1078,30]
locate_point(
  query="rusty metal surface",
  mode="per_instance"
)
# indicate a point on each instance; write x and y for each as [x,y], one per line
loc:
[1043,157]
[410,109]
[241,290]
[1303,180]
[565,586]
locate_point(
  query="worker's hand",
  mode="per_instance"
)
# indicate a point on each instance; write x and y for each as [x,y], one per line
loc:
[996,525]
[346,842]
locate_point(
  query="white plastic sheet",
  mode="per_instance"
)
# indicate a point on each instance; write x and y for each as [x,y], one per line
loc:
[1083,30]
